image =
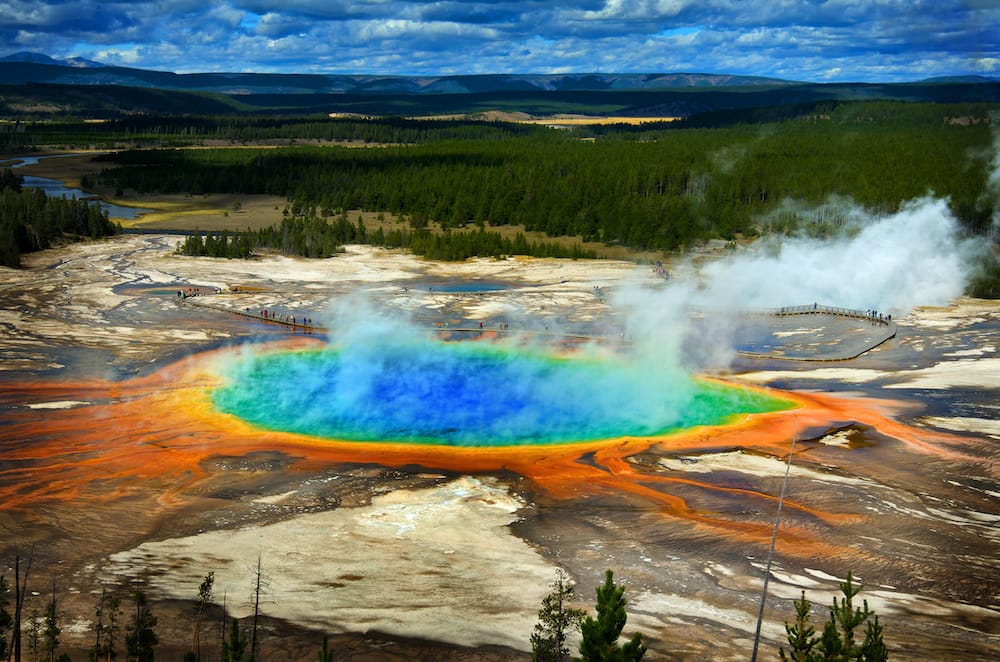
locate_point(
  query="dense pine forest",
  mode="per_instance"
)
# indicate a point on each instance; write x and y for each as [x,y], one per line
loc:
[31,221]
[657,187]
[184,130]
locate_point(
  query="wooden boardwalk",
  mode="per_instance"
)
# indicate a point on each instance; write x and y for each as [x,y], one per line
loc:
[297,323]
[887,328]
[884,330]
[199,300]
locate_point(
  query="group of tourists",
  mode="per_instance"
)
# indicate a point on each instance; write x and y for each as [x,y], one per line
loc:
[870,314]
[501,326]
[261,313]
[272,316]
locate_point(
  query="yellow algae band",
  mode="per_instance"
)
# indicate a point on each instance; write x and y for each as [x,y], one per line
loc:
[472,395]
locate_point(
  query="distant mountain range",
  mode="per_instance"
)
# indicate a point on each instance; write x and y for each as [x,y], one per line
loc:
[39,58]
[25,68]
[34,85]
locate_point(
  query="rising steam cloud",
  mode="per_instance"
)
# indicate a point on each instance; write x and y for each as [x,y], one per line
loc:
[916,256]
[993,184]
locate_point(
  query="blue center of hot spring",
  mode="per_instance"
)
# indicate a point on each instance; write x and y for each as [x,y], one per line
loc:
[471,394]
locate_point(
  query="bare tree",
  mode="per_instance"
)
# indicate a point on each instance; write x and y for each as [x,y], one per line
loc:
[256,610]
[99,629]
[204,599]
[6,621]
[20,590]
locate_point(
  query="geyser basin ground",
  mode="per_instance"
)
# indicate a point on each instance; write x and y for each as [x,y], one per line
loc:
[472,394]
[111,445]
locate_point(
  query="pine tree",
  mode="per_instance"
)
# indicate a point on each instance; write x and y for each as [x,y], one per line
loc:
[100,630]
[113,612]
[848,617]
[6,621]
[51,629]
[873,649]
[837,641]
[141,638]
[555,621]
[600,635]
[235,648]
[801,636]
[34,633]
[325,654]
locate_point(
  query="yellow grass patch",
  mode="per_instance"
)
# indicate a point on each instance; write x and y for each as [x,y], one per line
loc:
[211,213]
[580,120]
[70,170]
[557,120]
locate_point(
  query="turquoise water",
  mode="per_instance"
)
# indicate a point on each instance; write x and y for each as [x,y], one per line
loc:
[462,286]
[470,394]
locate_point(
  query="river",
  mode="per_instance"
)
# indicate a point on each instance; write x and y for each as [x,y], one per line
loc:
[56,189]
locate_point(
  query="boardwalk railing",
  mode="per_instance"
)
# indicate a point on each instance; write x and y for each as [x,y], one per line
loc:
[817,309]
[281,320]
[201,301]
[872,316]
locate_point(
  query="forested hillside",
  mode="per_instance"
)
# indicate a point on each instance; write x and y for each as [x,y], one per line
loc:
[182,131]
[41,91]
[660,187]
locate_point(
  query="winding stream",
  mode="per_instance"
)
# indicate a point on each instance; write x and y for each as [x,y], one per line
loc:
[54,188]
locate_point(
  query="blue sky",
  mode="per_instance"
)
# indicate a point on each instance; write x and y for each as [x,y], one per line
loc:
[822,41]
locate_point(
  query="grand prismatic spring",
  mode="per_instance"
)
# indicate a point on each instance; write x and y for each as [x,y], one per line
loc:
[412,488]
[469,395]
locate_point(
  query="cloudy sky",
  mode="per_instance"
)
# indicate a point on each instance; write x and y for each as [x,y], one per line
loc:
[832,40]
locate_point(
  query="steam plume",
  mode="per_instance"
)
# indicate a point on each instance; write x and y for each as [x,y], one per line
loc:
[917,256]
